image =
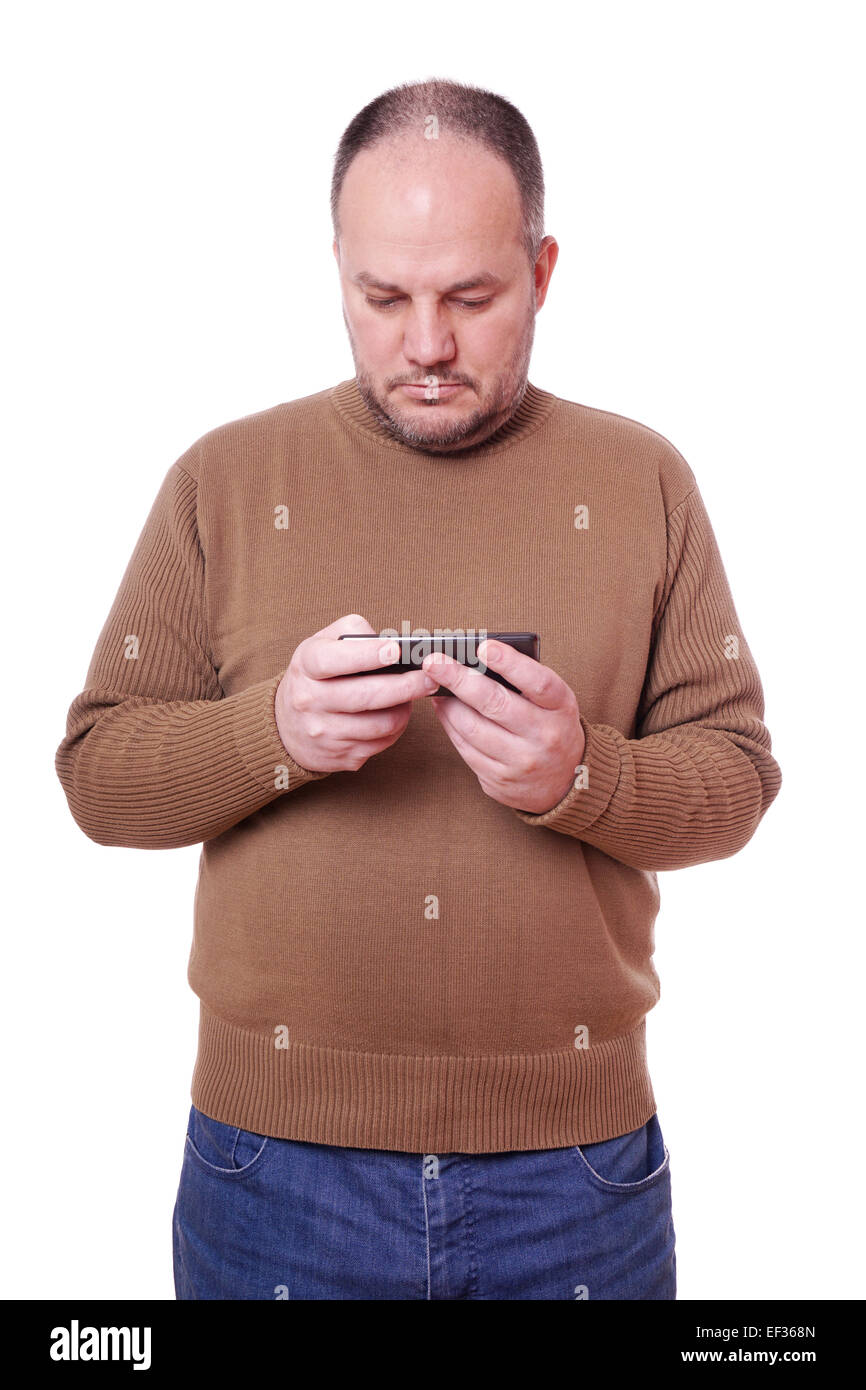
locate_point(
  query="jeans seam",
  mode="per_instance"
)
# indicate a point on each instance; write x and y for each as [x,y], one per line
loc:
[426,1229]
[471,1225]
[621,1187]
[227,1172]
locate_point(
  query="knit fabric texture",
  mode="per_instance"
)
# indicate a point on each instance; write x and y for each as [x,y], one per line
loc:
[388,958]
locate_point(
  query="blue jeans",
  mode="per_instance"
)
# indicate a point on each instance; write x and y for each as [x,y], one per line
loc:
[264,1218]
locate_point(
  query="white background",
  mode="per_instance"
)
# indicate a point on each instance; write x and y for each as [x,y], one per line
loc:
[167,267]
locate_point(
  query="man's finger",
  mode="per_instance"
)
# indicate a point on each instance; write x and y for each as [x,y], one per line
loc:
[329,656]
[356,693]
[539,684]
[471,686]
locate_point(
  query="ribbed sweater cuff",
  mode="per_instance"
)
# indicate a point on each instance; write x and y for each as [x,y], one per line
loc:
[582,805]
[258,739]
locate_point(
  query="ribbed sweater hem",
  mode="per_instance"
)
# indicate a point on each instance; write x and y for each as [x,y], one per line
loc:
[422,1104]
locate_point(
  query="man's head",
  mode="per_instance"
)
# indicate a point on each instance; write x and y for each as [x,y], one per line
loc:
[437,201]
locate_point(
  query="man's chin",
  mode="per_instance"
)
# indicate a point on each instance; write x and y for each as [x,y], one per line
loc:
[425,425]
[416,429]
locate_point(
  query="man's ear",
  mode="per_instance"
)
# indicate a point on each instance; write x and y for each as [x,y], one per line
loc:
[547,258]
[336,250]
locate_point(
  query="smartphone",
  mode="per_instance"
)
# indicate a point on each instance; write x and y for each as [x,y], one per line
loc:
[462,647]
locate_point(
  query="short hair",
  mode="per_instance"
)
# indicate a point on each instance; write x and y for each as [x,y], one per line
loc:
[462,110]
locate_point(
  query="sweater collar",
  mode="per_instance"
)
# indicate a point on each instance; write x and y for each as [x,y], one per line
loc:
[534,408]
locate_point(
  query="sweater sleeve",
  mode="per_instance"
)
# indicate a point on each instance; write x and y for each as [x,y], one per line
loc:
[694,783]
[155,755]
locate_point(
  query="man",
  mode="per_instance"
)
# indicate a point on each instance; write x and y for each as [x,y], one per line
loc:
[424,927]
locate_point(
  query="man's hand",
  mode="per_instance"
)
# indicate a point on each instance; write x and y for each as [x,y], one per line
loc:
[332,725]
[524,749]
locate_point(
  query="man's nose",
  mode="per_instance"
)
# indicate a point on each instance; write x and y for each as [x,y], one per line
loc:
[428,339]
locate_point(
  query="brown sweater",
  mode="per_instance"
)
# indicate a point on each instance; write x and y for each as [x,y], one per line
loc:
[388,958]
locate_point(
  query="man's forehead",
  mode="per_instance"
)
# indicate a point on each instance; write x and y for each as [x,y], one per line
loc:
[411,150]
[471,182]
[432,220]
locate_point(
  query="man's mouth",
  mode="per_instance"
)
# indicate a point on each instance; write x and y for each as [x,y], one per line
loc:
[437,391]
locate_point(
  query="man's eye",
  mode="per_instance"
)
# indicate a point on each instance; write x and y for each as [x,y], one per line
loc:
[464,303]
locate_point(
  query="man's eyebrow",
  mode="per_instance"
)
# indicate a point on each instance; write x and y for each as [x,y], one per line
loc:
[483,278]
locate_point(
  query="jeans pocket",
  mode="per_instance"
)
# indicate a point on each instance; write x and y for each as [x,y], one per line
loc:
[227,1150]
[628,1163]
